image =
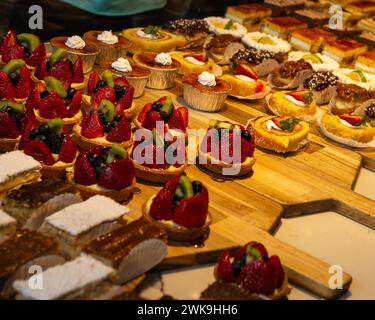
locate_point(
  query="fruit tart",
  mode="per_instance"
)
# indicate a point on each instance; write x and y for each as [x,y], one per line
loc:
[25,46]
[162,66]
[51,100]
[299,104]
[104,171]
[12,116]
[77,47]
[151,38]
[195,62]
[250,275]
[261,61]
[351,130]
[53,146]
[219,152]
[160,158]
[189,33]
[279,134]
[318,61]
[136,75]
[112,46]
[180,208]
[163,110]
[204,92]
[112,88]
[59,66]
[348,98]
[245,83]
[220,26]
[15,81]
[102,127]
[322,85]
[290,74]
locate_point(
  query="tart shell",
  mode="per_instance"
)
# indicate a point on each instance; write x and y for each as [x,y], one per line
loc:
[68,123]
[7,144]
[157,175]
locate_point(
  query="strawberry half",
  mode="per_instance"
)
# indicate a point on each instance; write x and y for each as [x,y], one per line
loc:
[77,72]
[6,87]
[253,244]
[118,175]
[275,260]
[8,126]
[52,106]
[172,184]
[277,120]
[91,126]
[142,115]
[161,207]
[185,115]
[14,52]
[244,70]
[84,173]
[68,150]
[121,132]
[9,40]
[38,56]
[353,120]
[107,93]
[176,121]
[93,80]
[40,152]
[121,81]
[75,104]
[126,100]
[61,71]
[224,267]
[259,87]
[151,118]
[23,87]
[304,96]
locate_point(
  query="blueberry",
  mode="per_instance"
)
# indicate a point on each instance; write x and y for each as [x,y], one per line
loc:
[99,85]
[119,90]
[44,94]
[44,129]
[117,118]
[71,92]
[14,77]
[246,135]
[197,187]
[156,105]
[34,133]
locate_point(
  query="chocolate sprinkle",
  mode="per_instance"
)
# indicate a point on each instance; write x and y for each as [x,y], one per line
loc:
[252,55]
[320,80]
[188,27]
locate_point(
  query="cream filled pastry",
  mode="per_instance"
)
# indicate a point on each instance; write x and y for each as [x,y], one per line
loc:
[318,61]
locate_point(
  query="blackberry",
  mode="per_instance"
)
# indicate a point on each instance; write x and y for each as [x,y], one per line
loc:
[44,94]
[34,133]
[99,85]
[370,111]
[14,78]
[156,105]
[108,126]
[71,92]
[102,118]
[197,187]
[15,115]
[41,137]
[98,163]
[246,135]
[117,118]
[119,90]
[54,143]
[238,265]
[44,129]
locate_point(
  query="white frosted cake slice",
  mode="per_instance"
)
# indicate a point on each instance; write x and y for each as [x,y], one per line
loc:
[17,168]
[78,224]
[77,279]
[7,224]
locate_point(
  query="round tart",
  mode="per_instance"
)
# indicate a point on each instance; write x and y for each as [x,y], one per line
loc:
[112,46]
[204,92]
[299,104]
[59,66]
[180,208]
[150,38]
[228,163]
[163,69]
[247,271]
[77,47]
[245,83]
[264,41]
[322,85]
[53,146]
[106,171]
[353,131]
[225,26]
[195,62]
[279,134]
[136,75]
[189,33]
[319,62]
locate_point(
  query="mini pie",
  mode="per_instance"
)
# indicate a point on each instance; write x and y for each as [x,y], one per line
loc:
[214,160]
[162,75]
[112,46]
[353,131]
[88,53]
[194,62]
[150,39]
[298,104]
[279,134]
[221,26]
[180,208]
[205,96]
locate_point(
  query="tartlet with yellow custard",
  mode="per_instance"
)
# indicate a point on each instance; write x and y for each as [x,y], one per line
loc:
[279,134]
[195,62]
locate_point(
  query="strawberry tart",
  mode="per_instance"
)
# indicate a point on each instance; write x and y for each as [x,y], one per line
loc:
[250,275]
[217,150]
[105,171]
[180,208]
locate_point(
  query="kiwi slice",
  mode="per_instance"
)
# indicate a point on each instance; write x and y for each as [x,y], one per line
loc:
[55,85]
[13,65]
[107,76]
[167,108]
[19,107]
[357,75]
[253,254]
[179,194]
[312,57]
[117,152]
[28,41]
[186,186]
[108,110]
[266,40]
[55,125]
[57,55]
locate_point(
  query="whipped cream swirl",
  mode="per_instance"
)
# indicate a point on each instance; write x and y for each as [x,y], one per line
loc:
[140,33]
[107,37]
[207,79]
[75,42]
[163,59]
[122,65]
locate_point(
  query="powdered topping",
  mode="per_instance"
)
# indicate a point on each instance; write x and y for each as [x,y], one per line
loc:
[320,80]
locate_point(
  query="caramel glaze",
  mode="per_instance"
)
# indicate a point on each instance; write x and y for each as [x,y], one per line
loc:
[93,37]
[192,79]
[116,245]
[148,58]
[59,42]
[21,248]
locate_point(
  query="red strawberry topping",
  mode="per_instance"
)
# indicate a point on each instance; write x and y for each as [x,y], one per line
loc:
[107,93]
[68,150]
[176,121]
[91,126]
[353,120]
[14,52]
[84,173]
[245,70]
[6,87]
[121,132]
[161,207]
[75,104]
[52,106]
[8,126]
[93,80]
[142,115]
[275,260]
[121,81]
[185,115]
[172,184]
[9,40]
[23,87]
[151,118]
[126,100]
[302,96]
[77,72]
[118,175]
[38,56]
[39,151]
[224,267]
[61,70]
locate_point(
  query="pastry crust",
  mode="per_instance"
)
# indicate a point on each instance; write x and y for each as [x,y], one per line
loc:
[243,168]
[8,144]
[188,67]
[278,140]
[86,192]
[68,123]
[157,175]
[354,137]
[174,231]
[57,170]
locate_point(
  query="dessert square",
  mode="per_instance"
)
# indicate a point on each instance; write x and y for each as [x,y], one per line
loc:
[282,27]
[366,61]
[344,51]
[310,39]
[312,17]
[250,15]
[361,7]
[284,7]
